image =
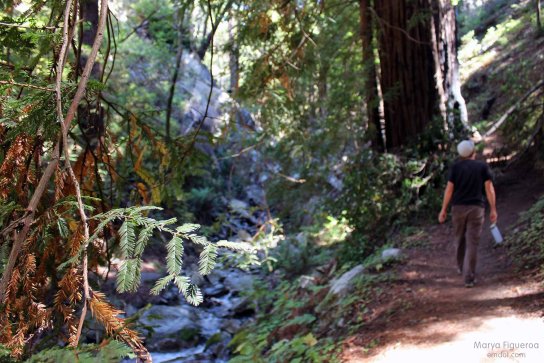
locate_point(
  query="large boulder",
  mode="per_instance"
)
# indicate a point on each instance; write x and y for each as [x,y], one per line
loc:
[169,327]
[345,283]
[392,254]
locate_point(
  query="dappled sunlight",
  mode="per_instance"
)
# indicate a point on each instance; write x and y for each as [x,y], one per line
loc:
[502,339]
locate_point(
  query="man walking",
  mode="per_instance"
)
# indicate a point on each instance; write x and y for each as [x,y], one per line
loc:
[467,180]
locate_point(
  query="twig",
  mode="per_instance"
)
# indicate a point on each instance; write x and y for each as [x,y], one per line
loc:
[383,22]
[243,150]
[139,25]
[508,112]
[11,83]
[87,296]
[192,144]
[68,165]
[11,25]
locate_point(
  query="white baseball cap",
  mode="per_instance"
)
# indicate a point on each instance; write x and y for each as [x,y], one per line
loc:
[465,148]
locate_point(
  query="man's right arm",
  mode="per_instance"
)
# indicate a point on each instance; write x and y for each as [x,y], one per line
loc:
[448,193]
[491,199]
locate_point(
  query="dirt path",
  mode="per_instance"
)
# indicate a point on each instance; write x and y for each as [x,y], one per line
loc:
[429,316]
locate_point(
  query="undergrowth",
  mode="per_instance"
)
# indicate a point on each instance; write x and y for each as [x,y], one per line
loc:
[299,323]
[526,245]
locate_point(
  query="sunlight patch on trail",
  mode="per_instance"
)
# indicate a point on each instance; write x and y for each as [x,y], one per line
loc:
[497,340]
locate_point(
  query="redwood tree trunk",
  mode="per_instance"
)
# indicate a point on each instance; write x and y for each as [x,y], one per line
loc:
[419,72]
[371,85]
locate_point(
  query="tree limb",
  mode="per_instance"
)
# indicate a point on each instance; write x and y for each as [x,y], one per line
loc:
[10,83]
[42,185]
[209,39]
[508,112]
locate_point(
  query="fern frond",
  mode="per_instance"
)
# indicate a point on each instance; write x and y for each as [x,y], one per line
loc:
[161,284]
[174,258]
[207,259]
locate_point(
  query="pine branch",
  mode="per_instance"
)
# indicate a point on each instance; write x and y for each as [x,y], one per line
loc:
[207,259]
[174,258]
[161,284]
[127,239]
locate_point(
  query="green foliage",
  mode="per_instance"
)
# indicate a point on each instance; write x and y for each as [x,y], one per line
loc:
[5,355]
[301,325]
[131,250]
[525,243]
[112,352]
[381,192]
[6,208]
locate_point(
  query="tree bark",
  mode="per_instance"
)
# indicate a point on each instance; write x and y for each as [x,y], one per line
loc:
[407,70]
[371,85]
[419,71]
[234,62]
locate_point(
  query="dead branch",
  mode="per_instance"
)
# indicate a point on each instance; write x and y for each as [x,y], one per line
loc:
[537,129]
[11,83]
[508,112]
[44,181]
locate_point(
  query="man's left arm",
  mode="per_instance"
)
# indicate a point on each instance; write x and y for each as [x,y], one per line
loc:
[491,199]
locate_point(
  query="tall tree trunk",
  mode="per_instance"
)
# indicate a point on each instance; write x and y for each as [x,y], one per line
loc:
[179,55]
[371,85]
[407,69]
[419,71]
[445,43]
[538,19]
[234,59]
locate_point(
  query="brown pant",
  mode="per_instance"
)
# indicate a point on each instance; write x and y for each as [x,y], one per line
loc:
[468,221]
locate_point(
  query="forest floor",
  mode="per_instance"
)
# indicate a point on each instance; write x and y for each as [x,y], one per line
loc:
[427,315]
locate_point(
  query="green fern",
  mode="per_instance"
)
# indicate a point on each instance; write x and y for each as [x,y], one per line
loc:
[136,222]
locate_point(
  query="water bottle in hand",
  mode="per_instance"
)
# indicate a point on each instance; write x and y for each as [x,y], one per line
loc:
[496,234]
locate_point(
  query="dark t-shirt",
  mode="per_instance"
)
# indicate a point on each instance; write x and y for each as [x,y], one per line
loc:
[468,177]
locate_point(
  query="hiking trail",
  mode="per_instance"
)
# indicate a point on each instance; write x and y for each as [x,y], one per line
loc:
[427,315]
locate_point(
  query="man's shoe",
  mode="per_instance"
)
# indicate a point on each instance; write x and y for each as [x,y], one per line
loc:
[469,284]
[459,271]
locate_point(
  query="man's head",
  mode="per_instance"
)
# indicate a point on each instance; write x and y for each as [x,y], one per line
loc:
[466,149]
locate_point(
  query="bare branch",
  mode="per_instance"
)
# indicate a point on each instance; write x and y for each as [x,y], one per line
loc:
[508,112]
[11,83]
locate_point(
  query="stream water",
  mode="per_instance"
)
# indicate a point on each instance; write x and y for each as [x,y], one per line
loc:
[184,333]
